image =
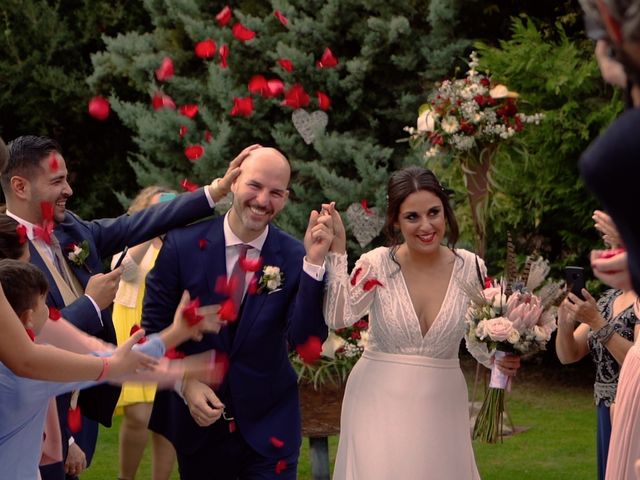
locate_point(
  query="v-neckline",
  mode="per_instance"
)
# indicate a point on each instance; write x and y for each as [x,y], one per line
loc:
[444,300]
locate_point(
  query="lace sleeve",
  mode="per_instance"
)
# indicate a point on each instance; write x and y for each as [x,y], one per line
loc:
[346,299]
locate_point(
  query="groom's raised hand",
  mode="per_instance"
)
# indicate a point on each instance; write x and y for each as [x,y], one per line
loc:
[319,236]
[220,187]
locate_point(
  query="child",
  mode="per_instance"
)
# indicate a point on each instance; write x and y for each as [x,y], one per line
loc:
[23,402]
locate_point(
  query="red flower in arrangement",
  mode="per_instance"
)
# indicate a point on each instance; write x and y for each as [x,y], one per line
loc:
[275,87]
[161,100]
[355,275]
[190,312]
[371,283]
[133,330]
[21,230]
[276,442]
[242,33]
[224,53]
[54,164]
[324,102]
[183,131]
[362,325]
[258,84]
[74,419]
[281,465]
[194,152]
[296,97]
[286,64]
[189,110]
[228,311]
[310,350]
[242,106]
[54,314]
[328,60]
[189,186]
[99,108]
[31,334]
[202,243]
[224,16]
[207,136]
[281,18]
[165,71]
[206,48]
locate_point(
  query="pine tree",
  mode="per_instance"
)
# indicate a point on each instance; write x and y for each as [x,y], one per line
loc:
[383,55]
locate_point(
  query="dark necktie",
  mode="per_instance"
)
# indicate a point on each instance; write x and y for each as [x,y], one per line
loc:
[238,277]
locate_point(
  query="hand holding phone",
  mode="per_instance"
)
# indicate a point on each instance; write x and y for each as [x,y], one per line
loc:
[121,258]
[574,277]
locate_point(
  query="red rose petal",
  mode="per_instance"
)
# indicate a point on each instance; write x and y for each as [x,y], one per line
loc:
[487,281]
[190,110]
[224,53]
[223,286]
[228,311]
[220,368]
[242,33]
[99,108]
[232,426]
[252,288]
[161,100]
[134,328]
[324,102]
[224,16]
[612,252]
[365,206]
[281,465]
[189,186]
[296,97]
[183,131]
[207,136]
[281,18]
[74,419]
[327,60]
[202,243]
[249,265]
[257,84]
[242,106]
[275,87]
[276,442]
[310,350]
[190,312]
[174,354]
[165,71]
[54,314]
[286,64]
[362,324]
[31,334]
[54,164]
[43,232]
[194,152]
[21,230]
[206,48]
[47,211]
[356,274]
[372,282]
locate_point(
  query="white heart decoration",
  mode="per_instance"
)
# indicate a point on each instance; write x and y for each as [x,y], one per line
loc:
[309,125]
[365,225]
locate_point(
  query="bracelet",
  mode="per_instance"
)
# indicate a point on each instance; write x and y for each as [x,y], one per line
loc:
[604,334]
[105,369]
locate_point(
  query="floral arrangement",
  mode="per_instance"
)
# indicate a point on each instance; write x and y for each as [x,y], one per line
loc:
[511,316]
[340,351]
[466,114]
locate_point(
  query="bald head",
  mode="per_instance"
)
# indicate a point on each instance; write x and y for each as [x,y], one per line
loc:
[267,158]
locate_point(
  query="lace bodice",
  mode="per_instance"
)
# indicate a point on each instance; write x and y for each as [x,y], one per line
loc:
[393,324]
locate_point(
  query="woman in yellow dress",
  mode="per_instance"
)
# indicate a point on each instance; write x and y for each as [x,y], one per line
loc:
[136,400]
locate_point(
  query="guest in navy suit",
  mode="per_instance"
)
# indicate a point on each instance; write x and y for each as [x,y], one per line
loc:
[36,174]
[249,427]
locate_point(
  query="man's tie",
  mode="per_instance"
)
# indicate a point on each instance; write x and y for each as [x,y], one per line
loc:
[238,277]
[58,259]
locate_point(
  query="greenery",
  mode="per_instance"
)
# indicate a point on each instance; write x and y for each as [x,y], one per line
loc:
[555,410]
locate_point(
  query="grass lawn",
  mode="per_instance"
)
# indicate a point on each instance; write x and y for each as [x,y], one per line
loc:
[559,442]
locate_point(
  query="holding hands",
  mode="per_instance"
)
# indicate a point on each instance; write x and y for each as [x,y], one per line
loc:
[320,234]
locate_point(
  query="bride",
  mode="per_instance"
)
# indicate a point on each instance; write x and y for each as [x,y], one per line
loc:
[405,410]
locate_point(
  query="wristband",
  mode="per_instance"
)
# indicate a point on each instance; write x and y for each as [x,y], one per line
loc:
[105,369]
[604,334]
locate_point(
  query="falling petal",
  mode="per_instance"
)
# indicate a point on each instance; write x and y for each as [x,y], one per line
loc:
[74,419]
[275,87]
[242,33]
[276,442]
[356,274]
[249,265]
[161,100]
[371,283]
[31,334]
[202,243]
[173,354]
[190,312]
[310,350]
[324,102]
[224,16]
[99,108]
[224,53]
[190,110]
[286,64]
[165,71]
[281,465]
[206,48]
[54,164]
[258,84]
[183,131]
[134,328]
[327,60]
[21,230]
[189,186]
[242,106]
[281,18]
[194,152]
[54,314]
[296,97]
[228,311]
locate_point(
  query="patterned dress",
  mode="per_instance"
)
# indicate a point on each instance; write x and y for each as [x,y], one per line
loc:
[405,411]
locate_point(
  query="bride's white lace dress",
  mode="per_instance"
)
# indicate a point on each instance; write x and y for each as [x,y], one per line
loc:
[405,410]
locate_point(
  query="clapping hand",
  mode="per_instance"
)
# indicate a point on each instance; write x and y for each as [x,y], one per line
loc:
[604,224]
[319,235]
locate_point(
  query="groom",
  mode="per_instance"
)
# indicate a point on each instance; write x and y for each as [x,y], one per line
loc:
[249,427]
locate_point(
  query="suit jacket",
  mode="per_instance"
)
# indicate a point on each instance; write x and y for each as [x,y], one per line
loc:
[105,238]
[260,389]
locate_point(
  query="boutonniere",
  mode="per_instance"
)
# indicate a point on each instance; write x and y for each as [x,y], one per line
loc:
[78,253]
[272,279]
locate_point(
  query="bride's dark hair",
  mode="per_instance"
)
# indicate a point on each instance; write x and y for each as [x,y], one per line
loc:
[403,183]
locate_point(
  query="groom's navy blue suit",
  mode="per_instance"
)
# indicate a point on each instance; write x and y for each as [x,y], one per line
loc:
[260,389]
[107,237]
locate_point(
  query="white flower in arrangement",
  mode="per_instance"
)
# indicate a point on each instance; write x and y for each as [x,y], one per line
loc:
[432,152]
[426,121]
[75,254]
[450,124]
[514,337]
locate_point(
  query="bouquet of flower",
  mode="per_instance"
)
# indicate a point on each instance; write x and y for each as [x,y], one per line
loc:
[340,351]
[512,316]
[468,113]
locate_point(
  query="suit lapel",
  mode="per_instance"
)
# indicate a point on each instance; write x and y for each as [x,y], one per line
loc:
[253,303]
[37,260]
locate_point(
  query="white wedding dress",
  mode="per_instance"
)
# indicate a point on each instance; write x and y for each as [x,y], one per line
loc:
[405,410]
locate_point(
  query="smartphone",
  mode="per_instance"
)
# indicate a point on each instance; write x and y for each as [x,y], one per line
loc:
[120,258]
[574,277]
[166,196]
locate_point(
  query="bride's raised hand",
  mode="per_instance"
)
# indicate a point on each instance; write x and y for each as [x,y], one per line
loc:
[339,244]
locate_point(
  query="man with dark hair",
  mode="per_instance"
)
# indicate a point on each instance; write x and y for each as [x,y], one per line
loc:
[36,190]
